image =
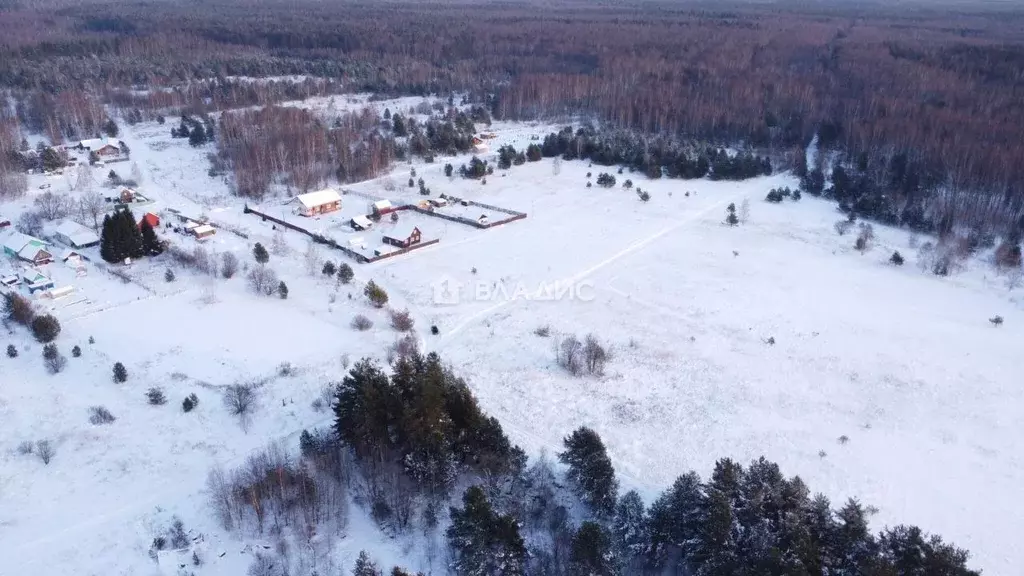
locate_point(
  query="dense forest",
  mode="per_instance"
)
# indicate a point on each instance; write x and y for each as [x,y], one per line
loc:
[924,105]
[415,450]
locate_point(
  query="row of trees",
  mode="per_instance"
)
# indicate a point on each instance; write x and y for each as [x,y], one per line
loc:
[404,440]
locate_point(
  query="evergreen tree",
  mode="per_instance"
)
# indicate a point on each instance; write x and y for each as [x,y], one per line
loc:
[365,567]
[260,254]
[896,258]
[630,533]
[197,136]
[366,411]
[110,128]
[168,275]
[591,553]
[12,351]
[730,215]
[483,542]
[45,328]
[110,250]
[329,268]
[377,296]
[282,290]
[150,243]
[120,373]
[590,470]
[448,170]
[675,519]
[533,153]
[345,273]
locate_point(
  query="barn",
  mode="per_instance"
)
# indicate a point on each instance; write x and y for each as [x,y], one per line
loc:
[403,236]
[319,202]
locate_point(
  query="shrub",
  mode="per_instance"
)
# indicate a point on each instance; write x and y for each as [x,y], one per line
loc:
[842,227]
[401,320]
[54,360]
[262,280]
[100,415]
[594,355]
[76,351]
[120,373]
[240,399]
[569,354]
[178,538]
[282,290]
[155,397]
[45,451]
[169,275]
[628,183]
[435,330]
[774,196]
[18,309]
[12,351]
[329,268]
[896,258]
[643,195]
[45,328]
[996,321]
[404,347]
[228,265]
[189,403]
[543,331]
[362,323]
[345,273]
[377,296]
[605,180]
[260,254]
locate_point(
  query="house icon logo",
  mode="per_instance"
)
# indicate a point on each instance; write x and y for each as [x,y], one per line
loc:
[447,291]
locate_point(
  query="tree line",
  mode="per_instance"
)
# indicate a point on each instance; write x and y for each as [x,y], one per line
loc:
[415,450]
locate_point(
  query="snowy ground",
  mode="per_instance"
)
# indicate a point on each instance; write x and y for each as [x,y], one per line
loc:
[902,363]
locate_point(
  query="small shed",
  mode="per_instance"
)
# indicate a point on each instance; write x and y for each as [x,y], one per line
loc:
[152,219]
[403,236]
[75,235]
[61,292]
[10,280]
[361,223]
[319,202]
[128,195]
[203,231]
[381,207]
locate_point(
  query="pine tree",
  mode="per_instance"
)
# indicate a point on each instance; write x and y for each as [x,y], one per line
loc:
[484,543]
[282,290]
[730,217]
[345,273]
[590,470]
[76,352]
[896,258]
[329,268]
[377,296]
[365,567]
[110,251]
[591,553]
[630,533]
[168,275]
[150,243]
[12,351]
[675,519]
[260,254]
[120,373]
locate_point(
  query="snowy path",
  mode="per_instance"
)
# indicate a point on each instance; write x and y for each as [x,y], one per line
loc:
[636,246]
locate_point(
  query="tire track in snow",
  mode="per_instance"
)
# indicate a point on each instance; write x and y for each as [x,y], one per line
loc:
[636,246]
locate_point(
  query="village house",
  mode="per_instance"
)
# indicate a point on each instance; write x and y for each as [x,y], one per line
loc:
[26,248]
[75,235]
[36,281]
[319,202]
[203,231]
[403,236]
[103,147]
[479,146]
[152,219]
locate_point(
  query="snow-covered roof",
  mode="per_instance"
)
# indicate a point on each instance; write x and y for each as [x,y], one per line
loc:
[97,143]
[33,276]
[385,249]
[319,198]
[203,229]
[401,232]
[16,241]
[382,204]
[78,235]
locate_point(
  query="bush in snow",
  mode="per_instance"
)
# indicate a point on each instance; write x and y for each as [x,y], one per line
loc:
[594,355]
[45,451]
[375,294]
[401,320]
[120,373]
[76,352]
[100,415]
[25,448]
[155,397]
[996,321]
[18,309]
[842,227]
[168,275]
[362,323]
[404,347]
[228,265]
[240,400]
[543,331]
[45,328]
[329,268]
[177,536]
[282,290]
[260,254]
[189,403]
[345,273]
[12,351]
[54,360]
[643,195]
[896,258]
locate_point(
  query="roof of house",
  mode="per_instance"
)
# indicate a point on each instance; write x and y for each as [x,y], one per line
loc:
[33,276]
[16,241]
[401,232]
[70,253]
[382,204]
[97,143]
[203,229]
[319,198]
[78,235]
[153,219]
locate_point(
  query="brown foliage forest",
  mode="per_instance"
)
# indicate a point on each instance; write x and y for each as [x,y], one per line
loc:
[939,88]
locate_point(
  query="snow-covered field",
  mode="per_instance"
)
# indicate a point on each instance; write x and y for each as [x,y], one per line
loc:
[902,363]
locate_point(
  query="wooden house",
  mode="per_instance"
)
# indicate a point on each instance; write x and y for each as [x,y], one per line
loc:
[203,231]
[75,235]
[319,202]
[381,207]
[27,248]
[403,236]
